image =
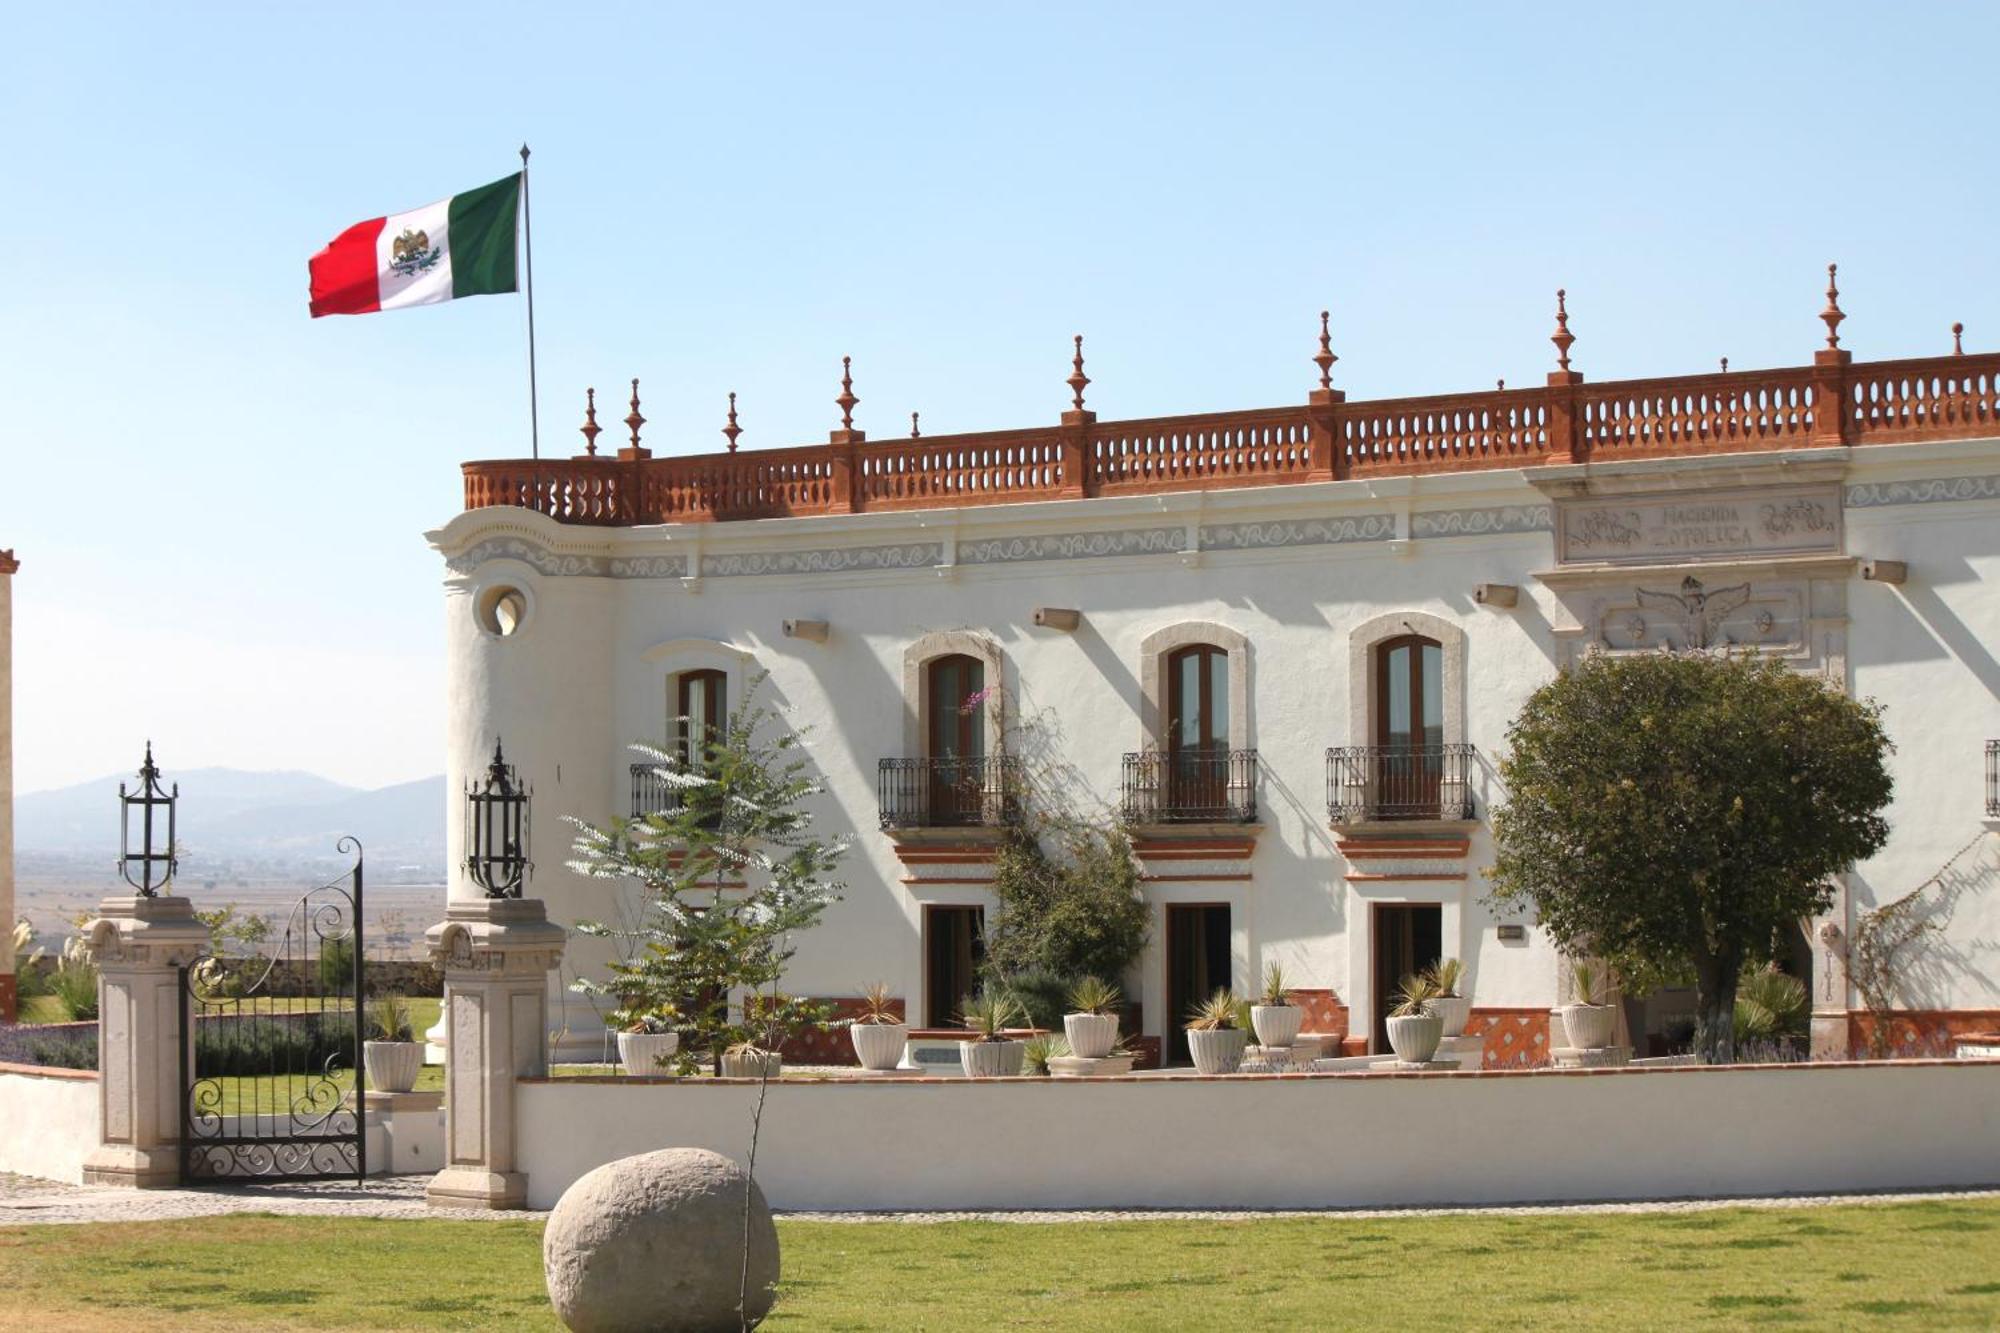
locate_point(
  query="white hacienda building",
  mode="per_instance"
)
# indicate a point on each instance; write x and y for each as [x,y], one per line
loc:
[1287,642]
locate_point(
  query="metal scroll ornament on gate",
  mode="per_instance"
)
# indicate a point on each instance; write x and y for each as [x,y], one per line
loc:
[151,868]
[496,829]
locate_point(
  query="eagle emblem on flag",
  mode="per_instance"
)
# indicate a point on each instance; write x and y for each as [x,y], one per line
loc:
[412,253]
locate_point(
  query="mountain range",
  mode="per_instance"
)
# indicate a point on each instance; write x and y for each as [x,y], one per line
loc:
[228,814]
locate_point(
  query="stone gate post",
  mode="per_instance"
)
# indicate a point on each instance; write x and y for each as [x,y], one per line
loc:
[140,944]
[497,954]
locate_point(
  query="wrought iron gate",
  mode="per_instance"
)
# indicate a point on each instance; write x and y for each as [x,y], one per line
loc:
[271,1070]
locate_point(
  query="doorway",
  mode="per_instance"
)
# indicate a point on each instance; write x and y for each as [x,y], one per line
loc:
[1197,966]
[954,947]
[1409,937]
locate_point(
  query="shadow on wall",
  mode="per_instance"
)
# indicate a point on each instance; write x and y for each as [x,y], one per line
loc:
[1946,628]
[1924,969]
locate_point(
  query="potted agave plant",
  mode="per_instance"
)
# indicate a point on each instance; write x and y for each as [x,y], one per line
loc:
[393,1055]
[1092,1029]
[1415,1028]
[1455,1009]
[646,1041]
[878,1032]
[1037,1051]
[1587,1019]
[1274,1017]
[746,1059]
[990,1054]
[1215,1034]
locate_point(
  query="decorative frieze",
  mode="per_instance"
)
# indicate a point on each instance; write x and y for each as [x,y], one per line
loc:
[1928,490]
[1672,529]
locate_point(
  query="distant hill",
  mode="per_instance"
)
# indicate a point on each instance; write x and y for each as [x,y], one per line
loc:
[229,814]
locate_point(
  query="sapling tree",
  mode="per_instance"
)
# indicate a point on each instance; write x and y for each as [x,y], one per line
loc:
[1675,813]
[730,874]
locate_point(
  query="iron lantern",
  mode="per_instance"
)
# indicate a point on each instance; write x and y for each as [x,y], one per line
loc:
[496,829]
[151,868]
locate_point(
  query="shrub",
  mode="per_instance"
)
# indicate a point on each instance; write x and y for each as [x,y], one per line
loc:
[336,964]
[1041,996]
[1770,1007]
[74,982]
[296,1043]
[63,1052]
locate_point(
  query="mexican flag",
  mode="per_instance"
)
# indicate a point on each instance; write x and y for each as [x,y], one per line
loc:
[461,246]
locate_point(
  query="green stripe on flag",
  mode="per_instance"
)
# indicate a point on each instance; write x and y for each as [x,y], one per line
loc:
[481,231]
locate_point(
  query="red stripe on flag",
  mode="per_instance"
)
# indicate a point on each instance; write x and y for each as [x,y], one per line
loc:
[344,274]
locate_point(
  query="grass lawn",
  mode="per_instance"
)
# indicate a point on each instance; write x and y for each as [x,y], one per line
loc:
[1881,1266]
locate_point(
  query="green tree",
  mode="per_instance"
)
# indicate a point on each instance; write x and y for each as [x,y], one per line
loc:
[1672,813]
[731,875]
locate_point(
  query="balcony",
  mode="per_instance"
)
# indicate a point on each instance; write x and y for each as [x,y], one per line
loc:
[1365,783]
[1993,779]
[1191,787]
[651,793]
[949,793]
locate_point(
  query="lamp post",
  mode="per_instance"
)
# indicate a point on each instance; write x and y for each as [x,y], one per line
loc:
[151,868]
[496,829]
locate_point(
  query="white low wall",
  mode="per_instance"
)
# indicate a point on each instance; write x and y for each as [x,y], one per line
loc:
[1302,1141]
[48,1121]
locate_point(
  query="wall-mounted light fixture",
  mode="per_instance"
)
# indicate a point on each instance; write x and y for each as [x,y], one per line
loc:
[1496,594]
[1057,617]
[814,630]
[1885,571]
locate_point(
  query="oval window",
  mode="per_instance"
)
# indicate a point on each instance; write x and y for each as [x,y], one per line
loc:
[501,610]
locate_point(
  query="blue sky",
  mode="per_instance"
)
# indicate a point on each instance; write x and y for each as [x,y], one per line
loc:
[220,503]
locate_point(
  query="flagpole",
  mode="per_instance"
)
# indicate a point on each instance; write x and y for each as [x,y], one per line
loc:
[528,239]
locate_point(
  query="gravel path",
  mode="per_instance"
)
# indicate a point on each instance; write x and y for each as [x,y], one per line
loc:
[25,1199]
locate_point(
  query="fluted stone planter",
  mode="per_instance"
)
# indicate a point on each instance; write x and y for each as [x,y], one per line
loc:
[752,1064]
[1276,1024]
[1090,1036]
[641,1052]
[879,1045]
[392,1065]
[1415,1037]
[1455,1010]
[992,1059]
[1217,1050]
[1589,1026]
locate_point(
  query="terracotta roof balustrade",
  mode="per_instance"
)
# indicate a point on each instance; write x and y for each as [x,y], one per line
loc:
[1832,402]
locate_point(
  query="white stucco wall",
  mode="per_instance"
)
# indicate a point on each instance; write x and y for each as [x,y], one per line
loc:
[1431,1139]
[48,1122]
[1293,569]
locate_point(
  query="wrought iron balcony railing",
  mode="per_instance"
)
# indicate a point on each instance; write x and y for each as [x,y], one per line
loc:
[979,792]
[651,793]
[1191,787]
[1993,779]
[1370,782]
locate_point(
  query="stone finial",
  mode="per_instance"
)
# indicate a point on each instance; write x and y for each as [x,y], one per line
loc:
[915,432]
[590,429]
[8,564]
[1562,337]
[1500,385]
[1077,380]
[1324,357]
[1725,365]
[847,400]
[1833,313]
[732,430]
[634,421]
[1957,339]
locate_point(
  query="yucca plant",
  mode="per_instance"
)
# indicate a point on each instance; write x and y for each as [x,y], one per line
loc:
[1447,973]
[878,1005]
[1589,981]
[1220,1012]
[1277,990]
[1093,995]
[989,1014]
[1038,1051]
[389,1019]
[1414,995]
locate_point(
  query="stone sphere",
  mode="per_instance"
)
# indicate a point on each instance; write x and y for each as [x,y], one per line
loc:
[656,1242]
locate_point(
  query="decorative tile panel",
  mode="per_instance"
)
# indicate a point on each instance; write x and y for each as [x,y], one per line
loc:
[1072,545]
[825,560]
[1298,532]
[1482,522]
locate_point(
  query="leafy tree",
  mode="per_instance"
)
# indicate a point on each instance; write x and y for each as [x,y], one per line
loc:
[732,873]
[1672,813]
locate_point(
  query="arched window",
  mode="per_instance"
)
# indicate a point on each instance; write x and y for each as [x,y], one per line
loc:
[955,738]
[1198,731]
[1409,721]
[701,712]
